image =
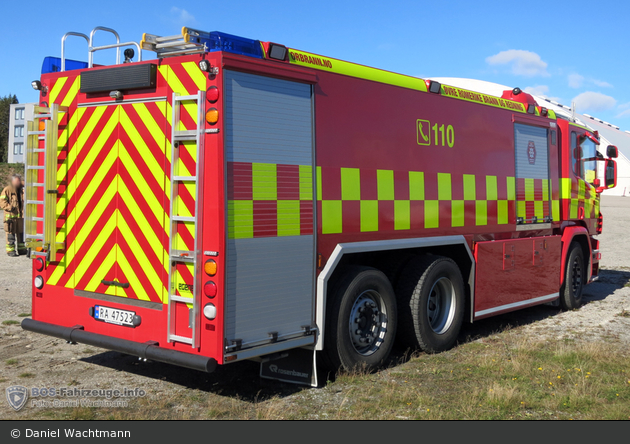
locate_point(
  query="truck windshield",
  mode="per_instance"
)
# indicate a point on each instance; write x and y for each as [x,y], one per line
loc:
[588,167]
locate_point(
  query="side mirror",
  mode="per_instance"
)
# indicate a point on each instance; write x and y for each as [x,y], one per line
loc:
[611,174]
[612,152]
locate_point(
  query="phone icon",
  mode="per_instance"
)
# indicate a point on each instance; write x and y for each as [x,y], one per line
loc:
[424,132]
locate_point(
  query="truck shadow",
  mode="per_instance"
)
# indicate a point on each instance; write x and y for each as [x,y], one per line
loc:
[240,380]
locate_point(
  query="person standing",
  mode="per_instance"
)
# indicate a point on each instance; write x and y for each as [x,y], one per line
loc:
[12,202]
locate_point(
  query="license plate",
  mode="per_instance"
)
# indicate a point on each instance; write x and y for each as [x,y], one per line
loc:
[113,315]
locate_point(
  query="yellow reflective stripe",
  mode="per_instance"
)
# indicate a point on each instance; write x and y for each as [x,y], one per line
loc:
[529,190]
[353,70]
[331,216]
[416,185]
[457,213]
[319,183]
[444,186]
[369,215]
[538,209]
[288,218]
[511,188]
[431,214]
[102,270]
[491,188]
[521,209]
[306,182]
[264,181]
[192,68]
[350,184]
[141,220]
[72,92]
[469,187]
[241,219]
[402,215]
[481,212]
[56,89]
[141,257]
[385,184]
[502,212]
[555,210]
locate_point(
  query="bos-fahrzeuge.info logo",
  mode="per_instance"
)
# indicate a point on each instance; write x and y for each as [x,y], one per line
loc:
[18,395]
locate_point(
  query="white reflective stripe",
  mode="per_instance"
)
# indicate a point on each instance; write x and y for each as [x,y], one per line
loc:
[546,298]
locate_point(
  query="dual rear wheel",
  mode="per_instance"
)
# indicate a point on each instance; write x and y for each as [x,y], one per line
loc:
[427,307]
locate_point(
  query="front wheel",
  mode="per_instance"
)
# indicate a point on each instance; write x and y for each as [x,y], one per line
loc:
[574,275]
[362,319]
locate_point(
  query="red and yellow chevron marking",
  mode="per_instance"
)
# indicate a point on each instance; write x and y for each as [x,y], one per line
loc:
[114,189]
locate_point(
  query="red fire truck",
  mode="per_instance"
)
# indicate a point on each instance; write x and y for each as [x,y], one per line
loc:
[234,199]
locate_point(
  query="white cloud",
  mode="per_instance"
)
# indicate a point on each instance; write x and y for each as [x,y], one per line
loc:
[601,83]
[541,91]
[575,80]
[524,63]
[625,110]
[593,101]
[537,90]
[181,16]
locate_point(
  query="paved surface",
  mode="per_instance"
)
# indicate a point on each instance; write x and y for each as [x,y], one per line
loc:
[34,360]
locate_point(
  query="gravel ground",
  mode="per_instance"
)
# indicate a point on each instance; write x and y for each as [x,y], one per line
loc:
[39,361]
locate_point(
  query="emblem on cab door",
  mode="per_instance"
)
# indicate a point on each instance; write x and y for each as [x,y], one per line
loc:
[531,152]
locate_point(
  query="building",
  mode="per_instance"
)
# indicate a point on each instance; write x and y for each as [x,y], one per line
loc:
[20,114]
[609,133]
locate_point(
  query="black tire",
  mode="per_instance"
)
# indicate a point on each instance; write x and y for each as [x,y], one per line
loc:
[574,276]
[342,347]
[430,281]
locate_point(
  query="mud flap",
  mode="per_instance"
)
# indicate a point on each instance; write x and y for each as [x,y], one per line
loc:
[297,366]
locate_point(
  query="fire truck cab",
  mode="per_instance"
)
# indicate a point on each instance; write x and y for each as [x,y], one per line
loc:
[232,199]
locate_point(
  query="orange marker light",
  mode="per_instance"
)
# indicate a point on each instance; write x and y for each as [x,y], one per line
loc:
[210,267]
[212,116]
[42,125]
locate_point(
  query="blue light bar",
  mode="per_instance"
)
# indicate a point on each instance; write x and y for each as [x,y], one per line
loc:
[53,64]
[220,41]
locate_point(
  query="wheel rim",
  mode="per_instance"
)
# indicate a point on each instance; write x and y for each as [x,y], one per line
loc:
[441,305]
[576,276]
[368,323]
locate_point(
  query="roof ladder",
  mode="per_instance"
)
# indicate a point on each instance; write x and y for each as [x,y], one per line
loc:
[40,168]
[174,45]
[176,255]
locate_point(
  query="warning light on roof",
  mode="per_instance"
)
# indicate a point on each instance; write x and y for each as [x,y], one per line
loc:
[277,52]
[531,109]
[435,87]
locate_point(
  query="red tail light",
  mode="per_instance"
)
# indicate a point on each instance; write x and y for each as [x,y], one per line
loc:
[600,223]
[210,289]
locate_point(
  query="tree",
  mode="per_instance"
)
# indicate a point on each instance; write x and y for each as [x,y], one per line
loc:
[5,115]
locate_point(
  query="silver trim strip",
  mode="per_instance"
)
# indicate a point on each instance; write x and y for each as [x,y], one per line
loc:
[270,348]
[517,304]
[123,102]
[384,245]
[533,227]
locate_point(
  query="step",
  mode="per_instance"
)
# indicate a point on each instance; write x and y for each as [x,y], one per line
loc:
[36,133]
[34,202]
[175,298]
[186,98]
[184,219]
[185,135]
[178,338]
[184,178]
[35,167]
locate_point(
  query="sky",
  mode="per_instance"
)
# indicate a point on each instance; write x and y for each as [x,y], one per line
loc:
[574,51]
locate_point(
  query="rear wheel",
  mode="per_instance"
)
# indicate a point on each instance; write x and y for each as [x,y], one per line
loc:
[361,323]
[431,300]
[574,276]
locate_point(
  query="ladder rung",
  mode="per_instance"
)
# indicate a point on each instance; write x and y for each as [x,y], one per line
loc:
[37,219]
[39,150]
[38,253]
[185,256]
[34,167]
[37,184]
[185,178]
[178,338]
[172,43]
[184,219]
[36,133]
[35,202]
[167,38]
[186,98]
[185,135]
[42,116]
[175,298]
[34,236]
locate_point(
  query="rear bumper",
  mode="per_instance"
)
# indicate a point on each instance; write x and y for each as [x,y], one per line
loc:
[149,351]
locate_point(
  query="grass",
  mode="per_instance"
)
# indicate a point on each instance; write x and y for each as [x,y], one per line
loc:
[11,361]
[10,322]
[23,315]
[26,375]
[624,313]
[504,376]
